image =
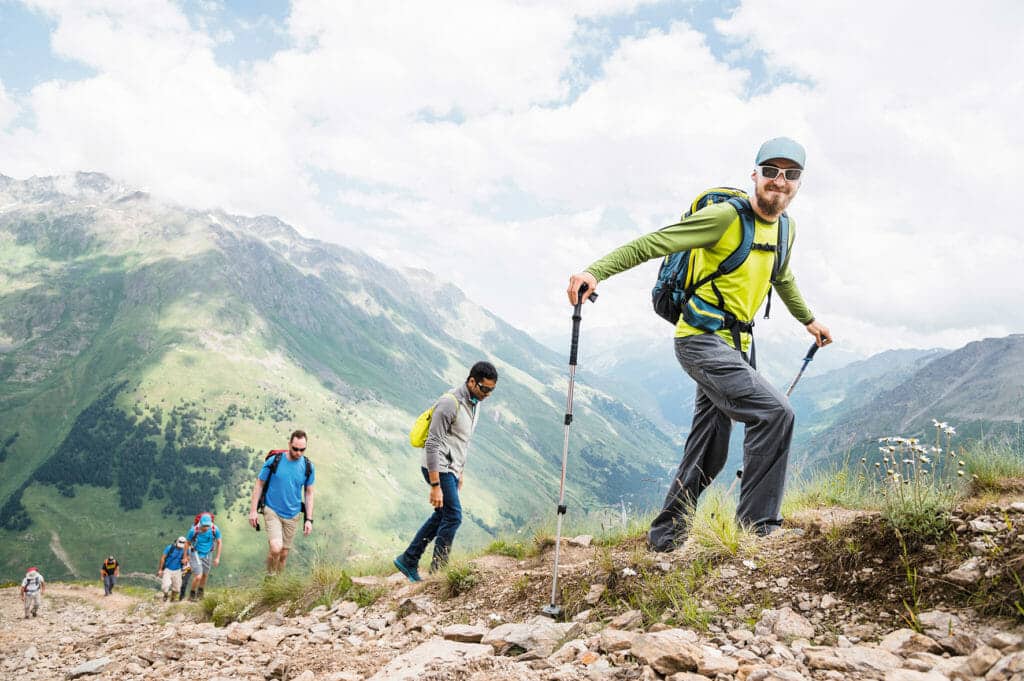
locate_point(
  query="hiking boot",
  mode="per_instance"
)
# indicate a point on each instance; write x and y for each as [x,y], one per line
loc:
[411,573]
[191,595]
[199,594]
[166,595]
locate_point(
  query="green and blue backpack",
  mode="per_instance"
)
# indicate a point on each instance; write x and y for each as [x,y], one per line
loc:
[674,292]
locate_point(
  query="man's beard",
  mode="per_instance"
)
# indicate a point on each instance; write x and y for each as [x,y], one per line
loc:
[773,203]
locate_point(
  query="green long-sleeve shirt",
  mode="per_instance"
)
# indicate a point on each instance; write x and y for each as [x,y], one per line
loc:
[715,232]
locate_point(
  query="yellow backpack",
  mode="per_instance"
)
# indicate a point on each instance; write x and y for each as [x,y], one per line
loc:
[420,429]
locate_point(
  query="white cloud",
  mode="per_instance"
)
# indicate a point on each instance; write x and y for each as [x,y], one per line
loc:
[445,136]
[8,108]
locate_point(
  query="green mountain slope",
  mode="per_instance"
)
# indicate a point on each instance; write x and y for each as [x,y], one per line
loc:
[150,354]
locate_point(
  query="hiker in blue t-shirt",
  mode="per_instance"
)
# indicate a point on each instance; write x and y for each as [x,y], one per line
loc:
[204,537]
[171,562]
[284,488]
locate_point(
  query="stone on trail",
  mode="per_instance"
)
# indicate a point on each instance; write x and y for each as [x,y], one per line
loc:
[540,636]
[464,633]
[905,642]
[784,624]
[410,666]
[582,540]
[855,659]
[614,640]
[627,620]
[90,667]
[669,651]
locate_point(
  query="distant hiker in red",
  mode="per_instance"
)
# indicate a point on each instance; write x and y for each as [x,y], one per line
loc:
[32,588]
[283,489]
[109,572]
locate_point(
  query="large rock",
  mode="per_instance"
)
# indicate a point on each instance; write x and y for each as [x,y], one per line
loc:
[627,620]
[785,624]
[539,636]
[712,663]
[911,675]
[271,636]
[980,661]
[853,659]
[905,642]
[412,665]
[614,640]
[669,651]
[464,633]
[968,573]
[90,667]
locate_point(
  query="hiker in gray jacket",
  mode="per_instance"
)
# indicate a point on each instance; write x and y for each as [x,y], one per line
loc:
[442,464]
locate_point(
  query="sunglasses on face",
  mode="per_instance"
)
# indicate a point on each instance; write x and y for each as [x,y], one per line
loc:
[486,390]
[771,172]
[296,449]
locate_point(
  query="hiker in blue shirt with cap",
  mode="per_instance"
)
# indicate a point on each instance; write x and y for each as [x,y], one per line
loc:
[204,537]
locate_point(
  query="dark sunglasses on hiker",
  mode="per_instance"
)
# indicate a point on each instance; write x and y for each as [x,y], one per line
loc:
[771,172]
[296,449]
[485,389]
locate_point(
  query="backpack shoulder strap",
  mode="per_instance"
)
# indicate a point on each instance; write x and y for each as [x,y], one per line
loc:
[781,248]
[309,470]
[739,256]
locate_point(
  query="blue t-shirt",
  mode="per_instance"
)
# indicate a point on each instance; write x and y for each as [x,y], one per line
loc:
[203,541]
[284,495]
[174,557]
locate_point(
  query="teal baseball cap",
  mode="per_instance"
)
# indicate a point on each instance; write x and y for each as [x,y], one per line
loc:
[781,147]
[205,519]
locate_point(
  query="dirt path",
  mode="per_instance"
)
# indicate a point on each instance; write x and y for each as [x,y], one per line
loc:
[61,554]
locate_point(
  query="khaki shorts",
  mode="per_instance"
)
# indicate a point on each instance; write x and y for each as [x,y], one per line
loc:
[171,581]
[281,529]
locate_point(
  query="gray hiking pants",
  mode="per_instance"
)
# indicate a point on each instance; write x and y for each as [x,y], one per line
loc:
[728,389]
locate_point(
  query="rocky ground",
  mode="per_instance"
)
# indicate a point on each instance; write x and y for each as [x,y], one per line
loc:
[836,597]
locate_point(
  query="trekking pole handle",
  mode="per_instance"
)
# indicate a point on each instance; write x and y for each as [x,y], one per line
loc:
[576,317]
[810,353]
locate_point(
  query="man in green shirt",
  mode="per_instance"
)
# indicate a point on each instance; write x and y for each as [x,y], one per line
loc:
[728,387]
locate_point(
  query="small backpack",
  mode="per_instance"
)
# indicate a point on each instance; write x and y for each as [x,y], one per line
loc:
[277,454]
[421,429]
[674,291]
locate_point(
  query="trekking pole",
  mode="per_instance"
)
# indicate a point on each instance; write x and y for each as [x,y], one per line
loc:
[732,485]
[553,610]
[807,360]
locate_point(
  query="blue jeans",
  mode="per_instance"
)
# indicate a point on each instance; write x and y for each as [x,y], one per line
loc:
[440,526]
[108,583]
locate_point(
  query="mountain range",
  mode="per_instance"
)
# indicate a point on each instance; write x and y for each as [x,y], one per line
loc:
[150,354]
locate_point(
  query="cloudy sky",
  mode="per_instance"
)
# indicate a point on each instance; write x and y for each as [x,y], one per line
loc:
[503,145]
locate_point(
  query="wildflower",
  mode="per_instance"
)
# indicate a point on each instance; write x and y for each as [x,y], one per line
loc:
[878,465]
[960,474]
[935,423]
[908,461]
[949,430]
[924,459]
[961,463]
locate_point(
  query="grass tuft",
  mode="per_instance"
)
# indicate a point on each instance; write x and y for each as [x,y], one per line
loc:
[460,577]
[325,584]
[990,464]
[715,533]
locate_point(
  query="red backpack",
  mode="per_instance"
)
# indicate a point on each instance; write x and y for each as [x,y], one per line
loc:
[195,521]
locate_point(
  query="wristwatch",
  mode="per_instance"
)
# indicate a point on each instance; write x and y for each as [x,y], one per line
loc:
[435,484]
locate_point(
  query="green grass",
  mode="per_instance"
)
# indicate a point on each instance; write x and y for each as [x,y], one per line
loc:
[714,531]
[505,547]
[667,596]
[841,486]
[324,585]
[987,464]
[459,577]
